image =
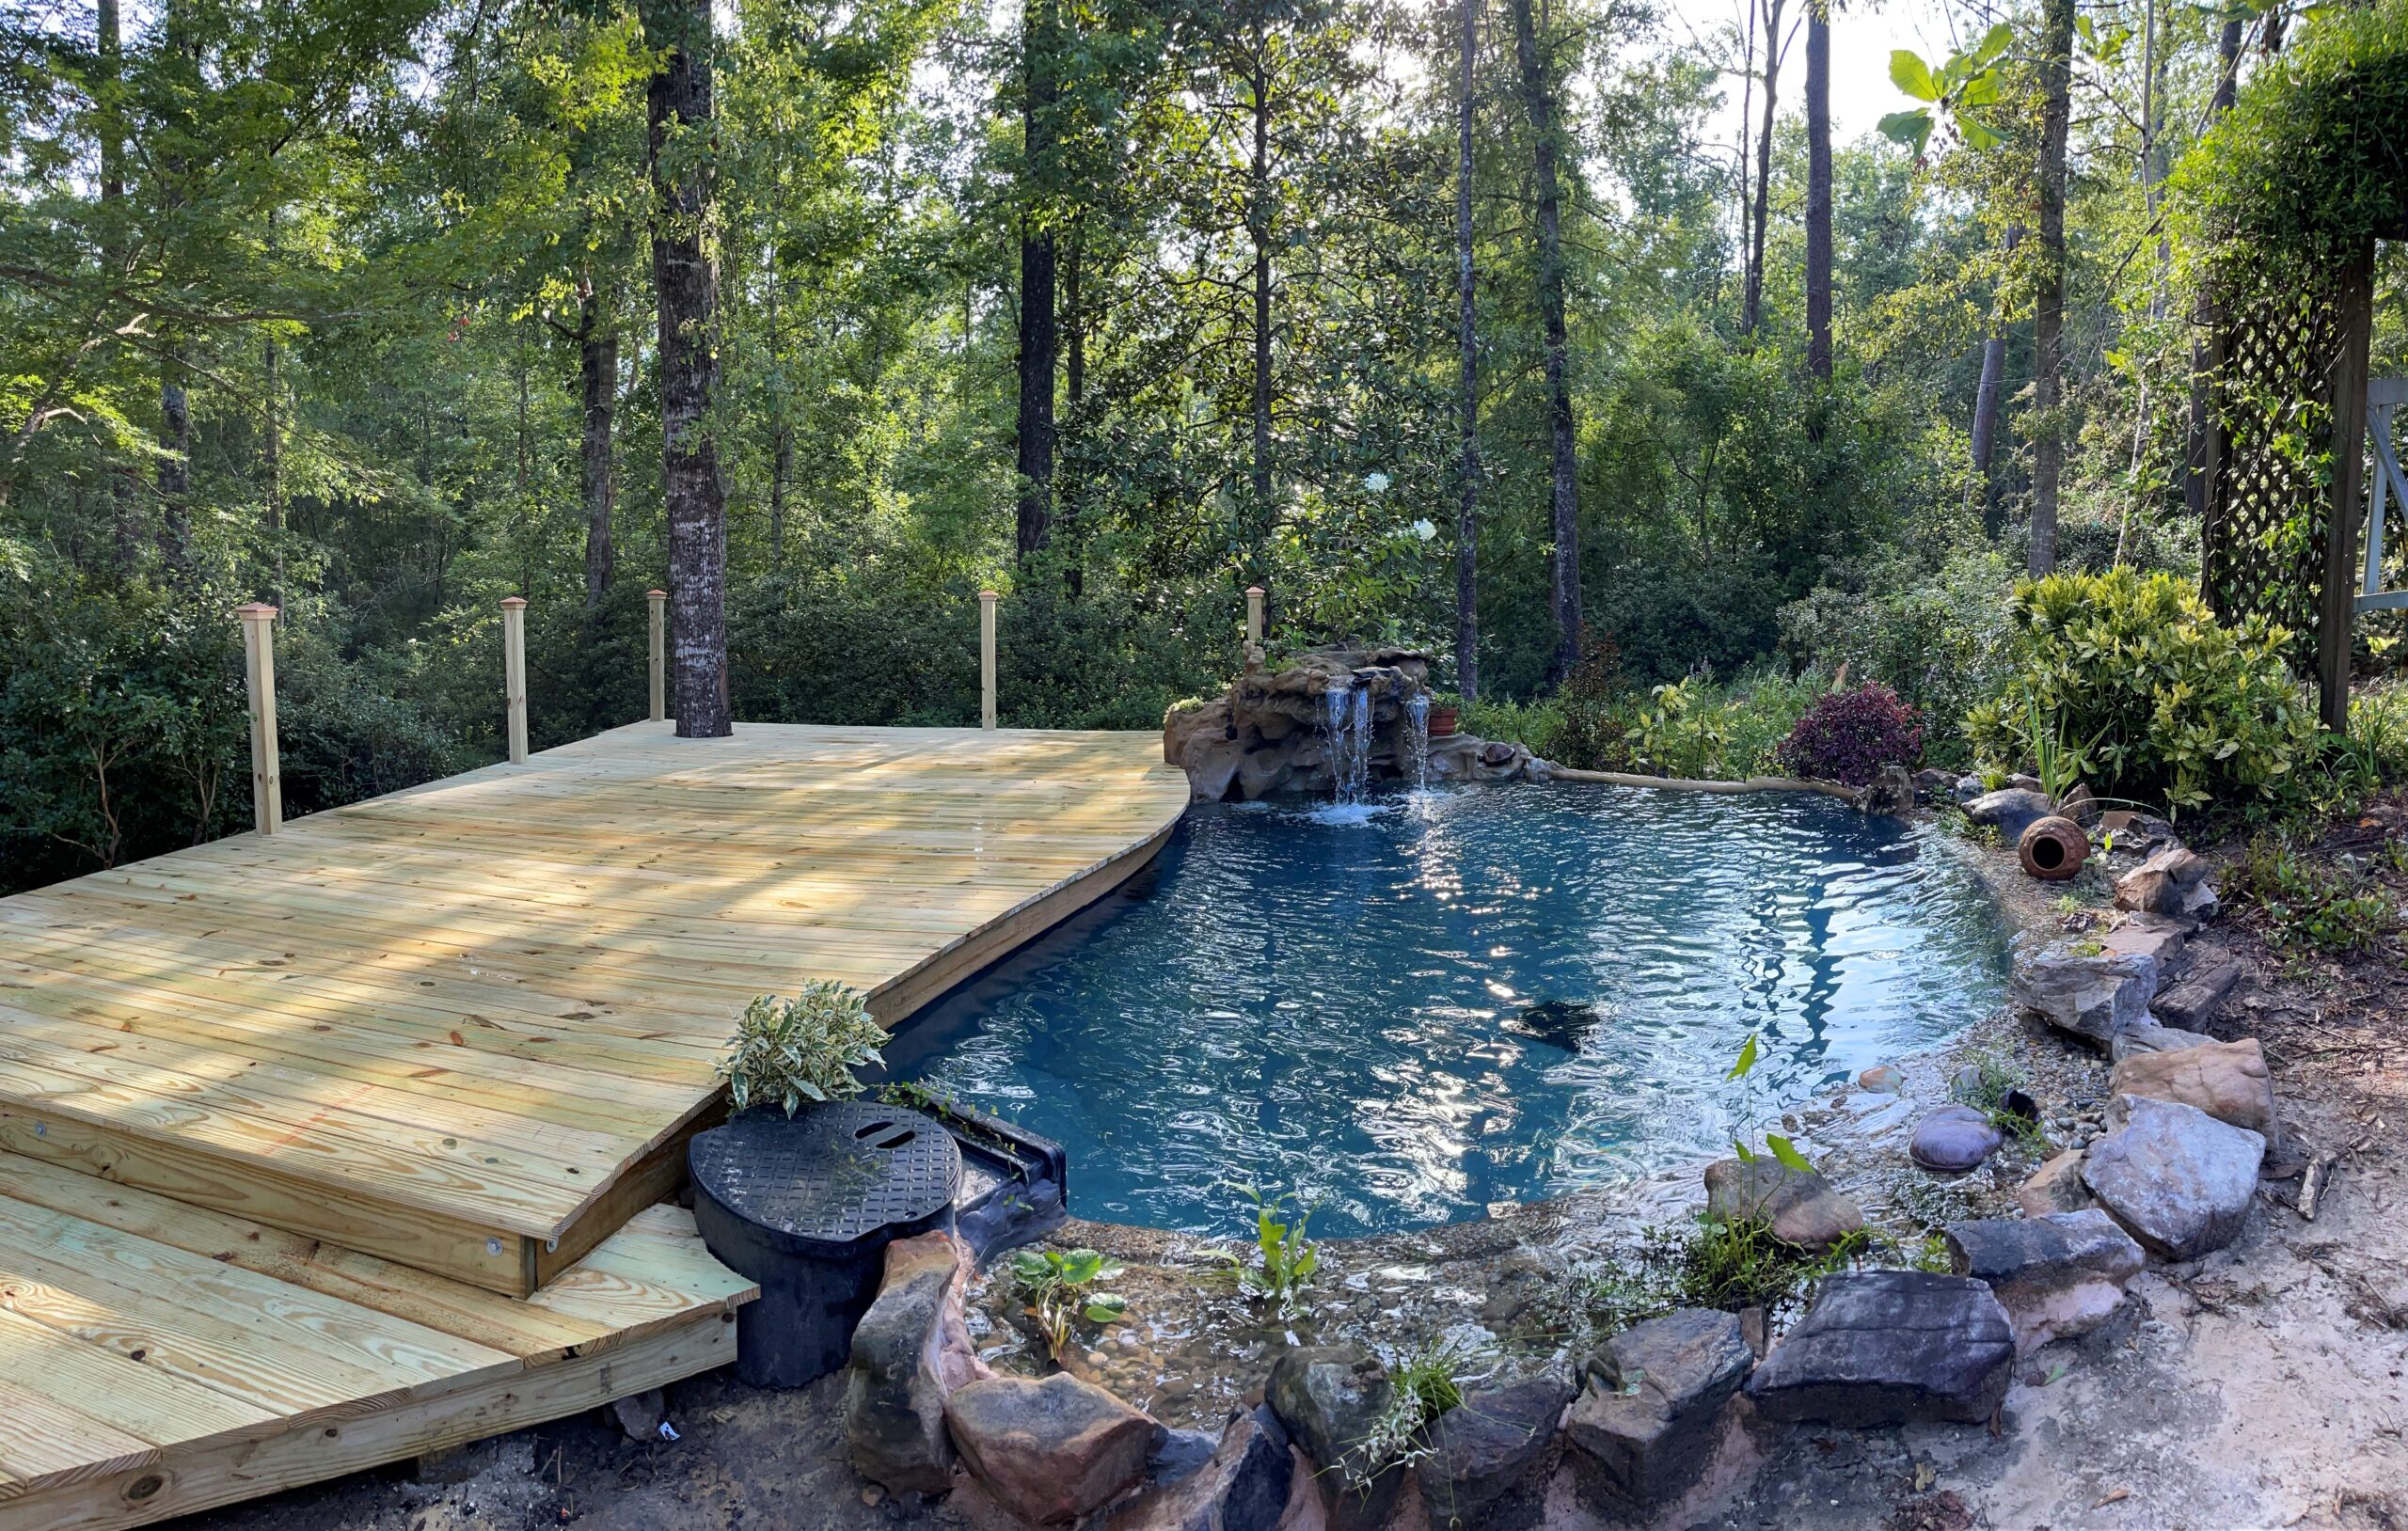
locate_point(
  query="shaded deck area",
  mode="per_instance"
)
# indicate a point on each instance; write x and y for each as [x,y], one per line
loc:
[332,1147]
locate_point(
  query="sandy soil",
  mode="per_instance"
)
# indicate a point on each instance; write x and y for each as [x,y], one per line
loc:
[2260,1387]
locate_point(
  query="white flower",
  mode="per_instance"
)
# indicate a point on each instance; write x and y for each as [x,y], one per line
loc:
[1424,531]
[1376,482]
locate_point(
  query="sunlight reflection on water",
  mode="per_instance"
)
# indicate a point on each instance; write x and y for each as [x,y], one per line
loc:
[1420,1007]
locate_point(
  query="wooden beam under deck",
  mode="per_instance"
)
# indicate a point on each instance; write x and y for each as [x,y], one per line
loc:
[468,1027]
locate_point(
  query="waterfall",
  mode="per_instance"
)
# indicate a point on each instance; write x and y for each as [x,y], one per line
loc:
[1346,723]
[1417,737]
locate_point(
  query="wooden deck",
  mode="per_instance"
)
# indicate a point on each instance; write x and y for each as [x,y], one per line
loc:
[469,1027]
[157,1359]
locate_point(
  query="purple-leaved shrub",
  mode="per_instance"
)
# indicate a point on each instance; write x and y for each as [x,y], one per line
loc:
[1850,735]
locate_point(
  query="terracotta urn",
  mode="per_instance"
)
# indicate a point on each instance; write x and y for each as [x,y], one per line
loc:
[1442,722]
[2054,848]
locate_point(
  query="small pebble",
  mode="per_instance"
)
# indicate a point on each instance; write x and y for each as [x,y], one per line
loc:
[871,1495]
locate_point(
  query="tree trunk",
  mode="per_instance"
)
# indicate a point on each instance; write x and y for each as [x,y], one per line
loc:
[1257,220]
[175,461]
[1538,96]
[1986,404]
[1818,188]
[125,501]
[2204,315]
[1468,518]
[2049,304]
[678,113]
[1038,337]
[1074,385]
[597,371]
[1753,301]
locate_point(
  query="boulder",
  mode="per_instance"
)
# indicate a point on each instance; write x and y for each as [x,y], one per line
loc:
[2173,882]
[1967,789]
[2178,1180]
[1491,1456]
[2193,1002]
[1051,1451]
[1892,793]
[2226,1080]
[1891,1348]
[1648,1418]
[2146,1039]
[911,1349]
[1954,1139]
[1933,784]
[1267,733]
[2055,1187]
[1805,1212]
[2093,996]
[2010,811]
[2058,1275]
[2151,936]
[1243,1486]
[1328,1398]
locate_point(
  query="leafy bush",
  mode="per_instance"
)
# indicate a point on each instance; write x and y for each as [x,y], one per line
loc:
[1852,736]
[1589,730]
[788,1051]
[1938,640]
[2174,705]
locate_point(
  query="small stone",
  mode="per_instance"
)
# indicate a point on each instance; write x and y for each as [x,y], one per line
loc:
[1328,1398]
[1802,1207]
[2079,805]
[1491,1456]
[2010,811]
[873,1495]
[1646,1423]
[2178,1180]
[1954,1139]
[1891,1348]
[1882,1078]
[2193,1002]
[639,1416]
[1244,1486]
[2226,1080]
[2146,1039]
[2093,996]
[1050,1451]
[2057,1275]
[2055,1187]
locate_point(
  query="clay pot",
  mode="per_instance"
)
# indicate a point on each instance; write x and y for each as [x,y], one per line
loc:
[1442,722]
[2052,849]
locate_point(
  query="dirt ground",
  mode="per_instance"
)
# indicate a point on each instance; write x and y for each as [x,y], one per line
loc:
[2261,1386]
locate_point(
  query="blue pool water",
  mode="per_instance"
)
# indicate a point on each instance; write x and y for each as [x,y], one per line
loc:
[1416,1013]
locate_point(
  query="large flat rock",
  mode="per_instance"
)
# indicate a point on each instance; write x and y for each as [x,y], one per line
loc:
[1891,1348]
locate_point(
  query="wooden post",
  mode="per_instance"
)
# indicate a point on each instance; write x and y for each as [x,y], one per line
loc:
[659,599]
[2337,602]
[258,673]
[1254,615]
[513,672]
[987,600]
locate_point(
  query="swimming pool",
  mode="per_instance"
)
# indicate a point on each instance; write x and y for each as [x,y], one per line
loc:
[1424,1008]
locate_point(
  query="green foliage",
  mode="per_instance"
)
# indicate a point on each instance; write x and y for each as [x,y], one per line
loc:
[1589,731]
[788,1051]
[1284,1260]
[1937,638]
[1994,1077]
[2309,904]
[1963,82]
[1060,1288]
[2312,160]
[1423,1385]
[2170,705]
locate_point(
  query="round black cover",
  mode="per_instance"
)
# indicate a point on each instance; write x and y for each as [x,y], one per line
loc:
[832,1175]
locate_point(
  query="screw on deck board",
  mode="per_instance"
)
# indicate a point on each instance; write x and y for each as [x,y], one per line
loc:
[259,674]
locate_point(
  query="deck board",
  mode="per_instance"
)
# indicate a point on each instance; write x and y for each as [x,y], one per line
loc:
[471,1012]
[154,1358]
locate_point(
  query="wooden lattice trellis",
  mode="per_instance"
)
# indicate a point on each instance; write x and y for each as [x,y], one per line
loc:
[2285,465]
[2267,510]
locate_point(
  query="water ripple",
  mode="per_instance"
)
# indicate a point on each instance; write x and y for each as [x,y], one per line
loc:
[1458,1000]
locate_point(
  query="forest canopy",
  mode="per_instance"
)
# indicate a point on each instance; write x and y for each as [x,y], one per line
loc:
[1535,333]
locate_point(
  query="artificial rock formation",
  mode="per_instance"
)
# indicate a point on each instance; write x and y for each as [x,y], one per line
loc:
[1271,732]
[2057,1275]
[1891,1348]
[910,1351]
[1051,1451]
[1647,1421]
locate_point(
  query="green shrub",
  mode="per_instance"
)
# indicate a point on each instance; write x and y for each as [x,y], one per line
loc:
[1938,640]
[2312,906]
[788,1051]
[2170,704]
